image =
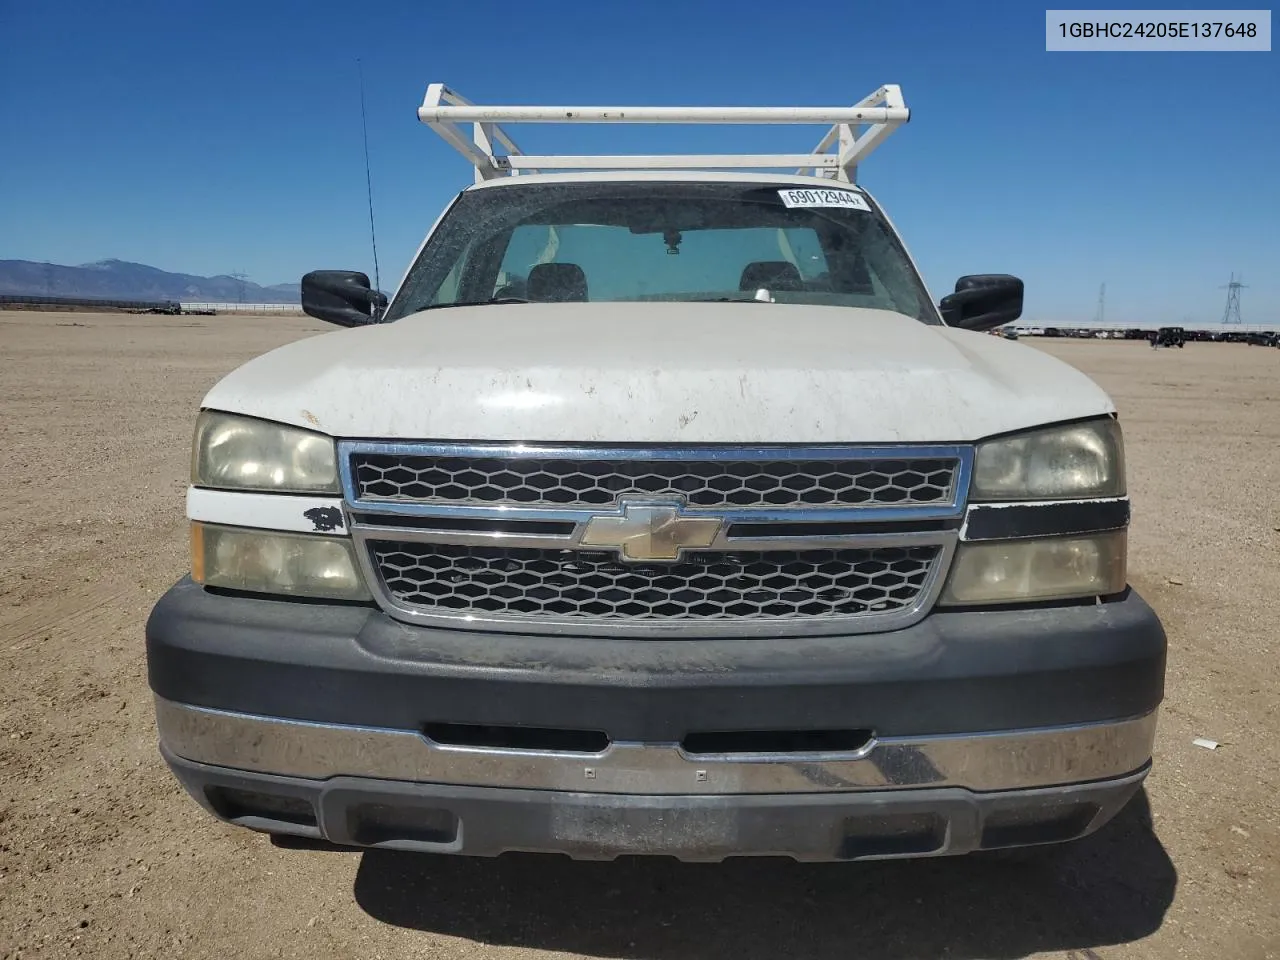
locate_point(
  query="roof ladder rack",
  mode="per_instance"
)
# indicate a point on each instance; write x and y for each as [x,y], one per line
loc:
[855,131]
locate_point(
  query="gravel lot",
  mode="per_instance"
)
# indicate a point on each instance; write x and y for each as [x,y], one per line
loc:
[102,855]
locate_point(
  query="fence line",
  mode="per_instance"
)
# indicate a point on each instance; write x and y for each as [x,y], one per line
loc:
[104,302]
[36,301]
[243,307]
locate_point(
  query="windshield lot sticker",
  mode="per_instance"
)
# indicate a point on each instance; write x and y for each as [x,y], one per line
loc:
[824,198]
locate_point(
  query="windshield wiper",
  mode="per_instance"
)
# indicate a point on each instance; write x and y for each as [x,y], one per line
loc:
[728,300]
[476,303]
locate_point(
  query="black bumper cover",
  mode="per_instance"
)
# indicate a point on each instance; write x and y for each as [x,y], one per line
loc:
[953,672]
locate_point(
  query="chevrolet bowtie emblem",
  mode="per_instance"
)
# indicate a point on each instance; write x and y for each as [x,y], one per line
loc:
[651,531]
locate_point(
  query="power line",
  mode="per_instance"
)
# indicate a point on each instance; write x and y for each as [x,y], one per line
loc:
[368,180]
[1232,313]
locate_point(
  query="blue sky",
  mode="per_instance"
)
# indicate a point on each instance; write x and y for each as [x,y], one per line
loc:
[214,137]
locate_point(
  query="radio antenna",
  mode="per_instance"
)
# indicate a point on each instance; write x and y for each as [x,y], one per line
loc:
[368,180]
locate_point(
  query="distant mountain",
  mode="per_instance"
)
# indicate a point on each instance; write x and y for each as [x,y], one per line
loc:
[121,280]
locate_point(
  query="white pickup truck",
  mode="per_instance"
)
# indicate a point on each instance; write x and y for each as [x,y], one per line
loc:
[660,511]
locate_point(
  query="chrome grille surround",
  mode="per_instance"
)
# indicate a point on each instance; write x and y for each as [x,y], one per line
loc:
[449,550]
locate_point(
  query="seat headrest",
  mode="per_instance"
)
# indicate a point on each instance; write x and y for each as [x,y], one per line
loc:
[770,274]
[557,282]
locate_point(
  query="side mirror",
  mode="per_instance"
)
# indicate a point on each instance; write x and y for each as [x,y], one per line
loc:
[342,297]
[983,301]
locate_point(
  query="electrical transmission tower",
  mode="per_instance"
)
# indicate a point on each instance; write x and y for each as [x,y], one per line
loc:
[1100,316]
[241,277]
[1232,313]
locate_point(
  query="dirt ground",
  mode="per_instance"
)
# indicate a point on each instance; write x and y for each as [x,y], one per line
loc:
[102,855]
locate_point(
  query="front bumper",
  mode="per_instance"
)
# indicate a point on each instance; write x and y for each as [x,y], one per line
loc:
[983,729]
[1011,759]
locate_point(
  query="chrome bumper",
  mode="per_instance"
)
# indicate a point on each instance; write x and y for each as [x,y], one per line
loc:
[1005,760]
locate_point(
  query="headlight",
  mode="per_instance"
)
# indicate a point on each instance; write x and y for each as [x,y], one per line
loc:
[1054,568]
[240,453]
[266,561]
[1058,463]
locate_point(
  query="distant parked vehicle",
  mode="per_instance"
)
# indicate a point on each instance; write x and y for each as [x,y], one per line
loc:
[1169,337]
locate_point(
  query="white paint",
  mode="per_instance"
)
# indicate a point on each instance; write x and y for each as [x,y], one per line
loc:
[266,511]
[823,197]
[660,373]
[472,113]
[529,400]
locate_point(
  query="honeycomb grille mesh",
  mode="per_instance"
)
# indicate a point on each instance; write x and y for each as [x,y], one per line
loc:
[702,483]
[535,583]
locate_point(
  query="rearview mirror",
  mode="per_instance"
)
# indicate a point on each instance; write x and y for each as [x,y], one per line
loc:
[983,301]
[342,297]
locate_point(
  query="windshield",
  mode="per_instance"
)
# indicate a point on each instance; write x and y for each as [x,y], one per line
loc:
[663,241]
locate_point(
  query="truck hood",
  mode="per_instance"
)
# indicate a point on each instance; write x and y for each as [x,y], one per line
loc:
[660,373]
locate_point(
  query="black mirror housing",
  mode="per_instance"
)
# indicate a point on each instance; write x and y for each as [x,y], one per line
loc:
[342,297]
[983,301]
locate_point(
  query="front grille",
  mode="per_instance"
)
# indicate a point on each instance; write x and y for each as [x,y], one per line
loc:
[532,583]
[566,482]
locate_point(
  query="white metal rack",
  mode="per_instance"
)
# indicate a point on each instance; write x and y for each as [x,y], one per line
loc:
[855,131]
